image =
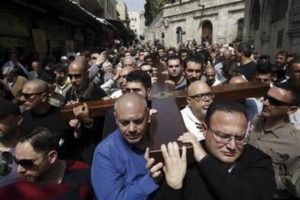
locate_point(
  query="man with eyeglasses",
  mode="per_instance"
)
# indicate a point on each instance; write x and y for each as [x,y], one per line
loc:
[87,130]
[199,97]
[226,166]
[276,136]
[10,121]
[45,175]
[175,72]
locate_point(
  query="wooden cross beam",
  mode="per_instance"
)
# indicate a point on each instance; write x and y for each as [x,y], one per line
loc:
[167,125]
[236,91]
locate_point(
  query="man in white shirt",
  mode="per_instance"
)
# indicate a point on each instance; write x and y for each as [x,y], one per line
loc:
[199,97]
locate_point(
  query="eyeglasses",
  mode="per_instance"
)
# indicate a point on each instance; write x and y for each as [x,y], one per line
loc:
[5,162]
[27,163]
[172,66]
[203,96]
[76,76]
[225,138]
[276,102]
[30,95]
[94,58]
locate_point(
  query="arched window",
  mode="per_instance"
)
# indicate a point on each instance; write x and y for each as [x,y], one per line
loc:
[240,29]
[179,34]
[207,30]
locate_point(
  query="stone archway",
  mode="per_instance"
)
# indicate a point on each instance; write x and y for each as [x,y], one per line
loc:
[207,31]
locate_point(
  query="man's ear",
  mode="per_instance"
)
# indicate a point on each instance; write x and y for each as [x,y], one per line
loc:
[116,116]
[205,129]
[52,156]
[292,109]
[189,101]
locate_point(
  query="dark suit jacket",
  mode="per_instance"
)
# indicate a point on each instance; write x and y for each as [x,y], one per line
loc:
[252,178]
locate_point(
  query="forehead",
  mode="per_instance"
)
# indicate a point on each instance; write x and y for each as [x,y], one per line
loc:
[228,122]
[199,88]
[174,61]
[29,88]
[130,111]
[263,75]
[76,68]
[193,65]
[209,71]
[280,94]
[134,85]
[25,150]
[128,60]
[145,67]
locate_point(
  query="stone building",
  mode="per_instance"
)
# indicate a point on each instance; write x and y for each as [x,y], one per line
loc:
[137,22]
[218,21]
[123,13]
[273,25]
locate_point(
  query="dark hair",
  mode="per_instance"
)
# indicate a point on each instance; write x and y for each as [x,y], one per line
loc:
[283,53]
[263,58]
[59,68]
[173,57]
[246,49]
[48,76]
[264,68]
[140,77]
[41,139]
[289,87]
[228,106]
[195,59]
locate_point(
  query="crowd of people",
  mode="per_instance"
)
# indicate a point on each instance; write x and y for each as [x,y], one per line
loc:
[245,149]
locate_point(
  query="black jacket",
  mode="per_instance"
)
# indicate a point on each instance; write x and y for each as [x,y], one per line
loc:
[252,178]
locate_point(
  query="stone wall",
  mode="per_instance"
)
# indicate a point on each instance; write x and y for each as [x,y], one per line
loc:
[191,15]
[273,34]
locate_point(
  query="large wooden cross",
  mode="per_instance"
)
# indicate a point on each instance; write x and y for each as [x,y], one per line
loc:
[167,125]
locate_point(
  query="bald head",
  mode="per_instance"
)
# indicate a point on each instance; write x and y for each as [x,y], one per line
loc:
[237,79]
[131,114]
[197,87]
[130,101]
[37,86]
[227,54]
[77,65]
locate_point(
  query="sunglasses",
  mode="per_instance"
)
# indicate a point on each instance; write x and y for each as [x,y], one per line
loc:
[76,76]
[26,163]
[276,102]
[30,95]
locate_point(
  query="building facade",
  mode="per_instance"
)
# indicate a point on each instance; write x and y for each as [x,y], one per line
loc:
[218,21]
[137,22]
[123,12]
[273,25]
